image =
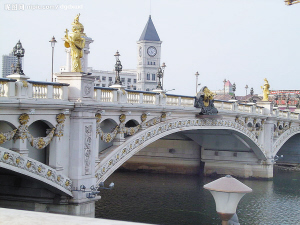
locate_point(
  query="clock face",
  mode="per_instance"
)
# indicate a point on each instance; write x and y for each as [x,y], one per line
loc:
[140,51]
[151,51]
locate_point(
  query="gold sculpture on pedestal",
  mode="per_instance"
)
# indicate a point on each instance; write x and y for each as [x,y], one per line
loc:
[76,42]
[266,90]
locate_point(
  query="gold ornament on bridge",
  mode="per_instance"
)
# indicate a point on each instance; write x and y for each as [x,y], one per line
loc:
[76,42]
[60,118]
[24,118]
[98,117]
[266,90]
[143,117]
[122,118]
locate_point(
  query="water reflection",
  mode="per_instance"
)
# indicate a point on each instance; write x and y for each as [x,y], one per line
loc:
[178,199]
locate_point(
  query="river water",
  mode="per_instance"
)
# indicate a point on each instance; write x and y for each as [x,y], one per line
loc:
[181,200]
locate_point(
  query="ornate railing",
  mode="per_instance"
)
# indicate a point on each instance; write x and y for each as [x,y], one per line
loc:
[7,87]
[47,90]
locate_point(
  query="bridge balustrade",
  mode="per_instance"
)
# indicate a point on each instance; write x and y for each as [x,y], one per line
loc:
[7,87]
[33,89]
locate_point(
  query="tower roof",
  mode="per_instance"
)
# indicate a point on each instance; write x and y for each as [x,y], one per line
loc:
[149,33]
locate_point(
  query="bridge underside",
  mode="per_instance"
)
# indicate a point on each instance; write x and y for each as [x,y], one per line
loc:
[202,151]
[23,192]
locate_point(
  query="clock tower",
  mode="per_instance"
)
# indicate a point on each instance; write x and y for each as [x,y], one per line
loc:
[149,51]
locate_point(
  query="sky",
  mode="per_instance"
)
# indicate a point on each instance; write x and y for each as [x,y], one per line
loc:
[243,41]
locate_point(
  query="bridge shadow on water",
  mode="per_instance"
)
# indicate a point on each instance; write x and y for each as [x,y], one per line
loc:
[181,200]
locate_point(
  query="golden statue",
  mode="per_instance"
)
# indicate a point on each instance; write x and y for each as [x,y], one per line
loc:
[208,95]
[266,90]
[76,42]
[205,101]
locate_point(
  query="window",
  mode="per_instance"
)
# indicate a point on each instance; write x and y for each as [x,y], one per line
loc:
[109,78]
[148,76]
[147,89]
[103,85]
[134,81]
[104,78]
[129,80]
[148,63]
[134,87]
[153,76]
[153,63]
[123,80]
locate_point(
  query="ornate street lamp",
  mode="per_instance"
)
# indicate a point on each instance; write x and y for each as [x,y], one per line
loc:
[118,68]
[246,87]
[19,51]
[227,192]
[160,74]
[163,67]
[288,98]
[224,81]
[52,41]
[251,93]
[197,75]
[233,89]
[275,100]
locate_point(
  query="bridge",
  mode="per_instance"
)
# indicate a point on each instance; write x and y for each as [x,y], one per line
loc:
[58,138]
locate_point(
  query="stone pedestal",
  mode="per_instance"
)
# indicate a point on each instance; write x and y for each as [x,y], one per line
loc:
[81,85]
[268,107]
[22,89]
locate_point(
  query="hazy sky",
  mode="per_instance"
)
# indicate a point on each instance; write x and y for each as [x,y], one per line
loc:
[243,41]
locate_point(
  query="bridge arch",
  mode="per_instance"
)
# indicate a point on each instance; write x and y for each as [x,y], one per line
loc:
[114,158]
[284,137]
[29,167]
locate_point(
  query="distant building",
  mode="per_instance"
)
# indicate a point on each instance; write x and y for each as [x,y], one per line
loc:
[9,62]
[227,89]
[285,99]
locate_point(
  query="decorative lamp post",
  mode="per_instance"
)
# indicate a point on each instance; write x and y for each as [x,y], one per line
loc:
[227,192]
[160,75]
[233,89]
[197,75]
[53,41]
[251,93]
[246,87]
[288,98]
[118,68]
[275,100]
[163,67]
[224,81]
[19,51]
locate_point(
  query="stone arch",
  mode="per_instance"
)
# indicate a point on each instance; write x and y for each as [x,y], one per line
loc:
[5,127]
[131,123]
[39,128]
[283,138]
[140,140]
[106,126]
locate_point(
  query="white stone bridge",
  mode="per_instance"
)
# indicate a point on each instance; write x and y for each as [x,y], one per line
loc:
[56,137]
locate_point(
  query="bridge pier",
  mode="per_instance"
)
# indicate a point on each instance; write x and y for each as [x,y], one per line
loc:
[257,171]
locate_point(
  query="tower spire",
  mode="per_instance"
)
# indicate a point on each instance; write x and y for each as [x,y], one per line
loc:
[149,33]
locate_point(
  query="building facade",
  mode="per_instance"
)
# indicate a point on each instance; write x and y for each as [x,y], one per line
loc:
[9,62]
